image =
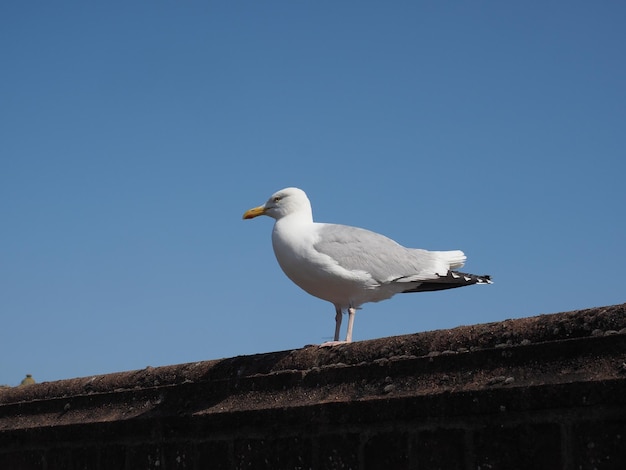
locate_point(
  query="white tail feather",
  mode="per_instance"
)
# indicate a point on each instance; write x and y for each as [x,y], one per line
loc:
[455,258]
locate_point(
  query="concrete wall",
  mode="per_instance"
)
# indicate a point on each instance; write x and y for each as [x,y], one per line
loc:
[546,392]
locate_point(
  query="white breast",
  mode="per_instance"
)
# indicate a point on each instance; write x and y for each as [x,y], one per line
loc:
[319,274]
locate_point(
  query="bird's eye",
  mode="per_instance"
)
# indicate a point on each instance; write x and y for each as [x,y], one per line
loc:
[277,198]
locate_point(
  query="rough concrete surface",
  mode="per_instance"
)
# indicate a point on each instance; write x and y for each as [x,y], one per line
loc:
[555,348]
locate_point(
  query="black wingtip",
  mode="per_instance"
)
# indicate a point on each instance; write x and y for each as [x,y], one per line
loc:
[451,280]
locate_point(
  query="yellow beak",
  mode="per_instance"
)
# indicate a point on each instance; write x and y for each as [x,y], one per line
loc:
[254,212]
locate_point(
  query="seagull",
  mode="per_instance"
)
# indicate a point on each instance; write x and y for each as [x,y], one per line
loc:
[349,266]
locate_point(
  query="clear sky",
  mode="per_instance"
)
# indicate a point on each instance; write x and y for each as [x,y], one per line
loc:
[135,134]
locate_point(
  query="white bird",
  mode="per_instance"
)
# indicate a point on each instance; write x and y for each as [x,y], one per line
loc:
[349,266]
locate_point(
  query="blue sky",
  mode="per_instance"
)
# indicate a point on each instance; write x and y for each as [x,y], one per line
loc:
[135,135]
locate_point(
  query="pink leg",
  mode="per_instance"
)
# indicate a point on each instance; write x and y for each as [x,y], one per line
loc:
[337,322]
[351,312]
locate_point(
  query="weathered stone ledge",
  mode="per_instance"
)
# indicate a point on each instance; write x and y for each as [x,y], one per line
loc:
[547,349]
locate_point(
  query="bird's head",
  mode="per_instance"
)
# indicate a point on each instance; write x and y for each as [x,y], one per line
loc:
[281,203]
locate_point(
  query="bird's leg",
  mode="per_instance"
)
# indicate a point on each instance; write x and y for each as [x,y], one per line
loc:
[337,322]
[338,317]
[351,312]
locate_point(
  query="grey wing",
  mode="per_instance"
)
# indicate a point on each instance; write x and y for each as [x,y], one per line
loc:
[357,249]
